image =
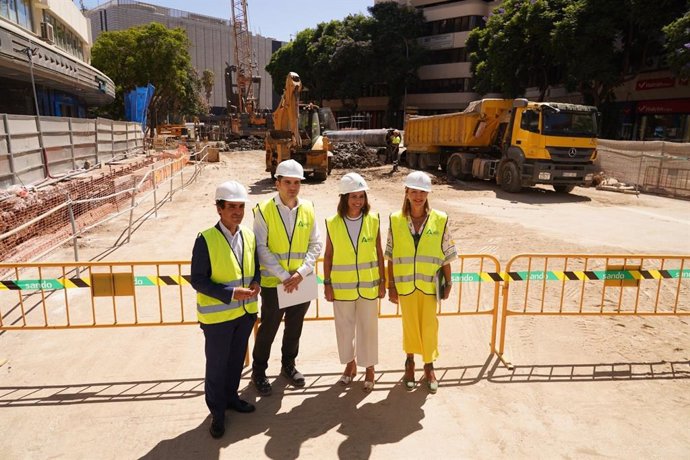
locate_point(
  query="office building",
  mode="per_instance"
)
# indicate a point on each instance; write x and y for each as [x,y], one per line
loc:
[45,46]
[211,43]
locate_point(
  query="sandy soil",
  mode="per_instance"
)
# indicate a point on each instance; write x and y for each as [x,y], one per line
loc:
[582,387]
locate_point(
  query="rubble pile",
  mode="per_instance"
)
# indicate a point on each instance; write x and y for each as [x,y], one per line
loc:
[249,143]
[353,155]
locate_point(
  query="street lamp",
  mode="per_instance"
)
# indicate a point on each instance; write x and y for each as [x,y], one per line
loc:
[30,53]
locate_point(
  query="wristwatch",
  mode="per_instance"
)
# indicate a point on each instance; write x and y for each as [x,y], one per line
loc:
[327,281]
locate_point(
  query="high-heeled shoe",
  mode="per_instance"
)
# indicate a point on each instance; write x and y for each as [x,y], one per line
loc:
[431,382]
[369,380]
[349,374]
[409,367]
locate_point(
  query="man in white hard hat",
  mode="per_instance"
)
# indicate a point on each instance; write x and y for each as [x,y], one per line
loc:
[288,243]
[225,274]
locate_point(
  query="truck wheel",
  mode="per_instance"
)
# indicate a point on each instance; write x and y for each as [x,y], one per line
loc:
[423,160]
[320,176]
[412,160]
[510,177]
[563,188]
[454,168]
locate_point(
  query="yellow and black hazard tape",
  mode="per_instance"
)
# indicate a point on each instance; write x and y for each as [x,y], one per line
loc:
[85,282]
[465,277]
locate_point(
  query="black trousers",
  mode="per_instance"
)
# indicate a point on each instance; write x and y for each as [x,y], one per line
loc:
[226,346]
[271,316]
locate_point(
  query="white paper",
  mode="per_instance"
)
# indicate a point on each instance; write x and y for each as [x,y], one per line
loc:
[305,292]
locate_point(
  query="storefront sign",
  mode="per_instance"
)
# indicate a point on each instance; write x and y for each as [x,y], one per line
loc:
[668,106]
[655,83]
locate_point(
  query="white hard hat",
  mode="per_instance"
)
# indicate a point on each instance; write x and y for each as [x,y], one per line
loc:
[352,182]
[232,191]
[290,168]
[419,181]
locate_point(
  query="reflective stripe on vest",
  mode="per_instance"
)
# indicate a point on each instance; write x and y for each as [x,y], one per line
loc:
[226,270]
[290,252]
[354,274]
[417,267]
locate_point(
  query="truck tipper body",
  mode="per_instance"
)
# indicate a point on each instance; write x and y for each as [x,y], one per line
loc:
[517,143]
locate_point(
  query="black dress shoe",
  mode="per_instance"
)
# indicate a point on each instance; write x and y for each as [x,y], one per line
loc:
[241,405]
[263,386]
[293,375]
[217,428]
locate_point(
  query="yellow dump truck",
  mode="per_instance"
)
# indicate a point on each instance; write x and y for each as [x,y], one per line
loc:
[516,142]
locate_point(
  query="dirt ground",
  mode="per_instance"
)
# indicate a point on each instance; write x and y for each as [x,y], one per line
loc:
[583,387]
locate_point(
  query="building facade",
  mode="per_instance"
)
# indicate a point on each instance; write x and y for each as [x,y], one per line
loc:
[211,43]
[45,46]
[654,105]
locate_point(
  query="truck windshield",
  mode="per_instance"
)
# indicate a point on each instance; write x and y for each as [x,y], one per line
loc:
[577,124]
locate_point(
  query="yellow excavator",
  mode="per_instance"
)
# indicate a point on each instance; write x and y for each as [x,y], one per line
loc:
[298,133]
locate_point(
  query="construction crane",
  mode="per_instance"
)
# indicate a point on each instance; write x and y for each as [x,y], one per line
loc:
[243,102]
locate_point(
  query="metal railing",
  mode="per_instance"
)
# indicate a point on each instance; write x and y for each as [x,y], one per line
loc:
[594,285]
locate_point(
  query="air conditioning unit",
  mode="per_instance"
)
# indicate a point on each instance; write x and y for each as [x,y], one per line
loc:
[47,32]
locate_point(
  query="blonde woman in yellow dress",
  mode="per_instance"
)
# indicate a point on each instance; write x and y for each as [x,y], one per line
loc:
[419,250]
[354,273]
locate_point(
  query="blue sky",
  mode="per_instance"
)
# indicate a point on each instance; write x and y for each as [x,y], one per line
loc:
[271,18]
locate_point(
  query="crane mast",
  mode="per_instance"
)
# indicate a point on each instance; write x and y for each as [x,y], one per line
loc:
[246,100]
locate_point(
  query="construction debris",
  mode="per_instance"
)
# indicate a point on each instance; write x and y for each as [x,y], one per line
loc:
[249,143]
[611,184]
[354,155]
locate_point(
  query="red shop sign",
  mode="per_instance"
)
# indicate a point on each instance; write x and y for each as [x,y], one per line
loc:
[655,83]
[667,106]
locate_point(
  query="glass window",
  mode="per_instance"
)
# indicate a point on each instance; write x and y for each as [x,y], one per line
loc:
[24,13]
[5,8]
[578,124]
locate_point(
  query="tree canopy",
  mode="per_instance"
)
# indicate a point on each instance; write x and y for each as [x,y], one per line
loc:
[341,59]
[678,45]
[150,54]
[591,46]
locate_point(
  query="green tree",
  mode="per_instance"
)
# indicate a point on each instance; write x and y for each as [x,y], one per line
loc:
[678,45]
[207,81]
[514,51]
[591,46]
[599,45]
[150,54]
[335,59]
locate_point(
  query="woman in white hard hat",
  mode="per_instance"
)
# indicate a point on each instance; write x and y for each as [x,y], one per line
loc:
[353,278]
[419,250]
[225,274]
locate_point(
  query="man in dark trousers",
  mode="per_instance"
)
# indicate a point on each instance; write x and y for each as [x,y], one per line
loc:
[288,243]
[226,277]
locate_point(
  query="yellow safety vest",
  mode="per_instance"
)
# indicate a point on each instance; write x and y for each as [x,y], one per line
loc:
[225,269]
[417,267]
[355,272]
[290,252]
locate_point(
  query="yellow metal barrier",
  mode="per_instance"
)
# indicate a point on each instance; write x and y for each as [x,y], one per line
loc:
[577,284]
[96,294]
[125,294]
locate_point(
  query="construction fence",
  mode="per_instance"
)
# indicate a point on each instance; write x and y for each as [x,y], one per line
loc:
[159,293]
[35,222]
[35,148]
[656,167]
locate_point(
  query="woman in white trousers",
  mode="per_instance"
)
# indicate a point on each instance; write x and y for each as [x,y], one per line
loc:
[353,278]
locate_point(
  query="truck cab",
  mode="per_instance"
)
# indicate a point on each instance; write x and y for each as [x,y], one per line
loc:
[551,143]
